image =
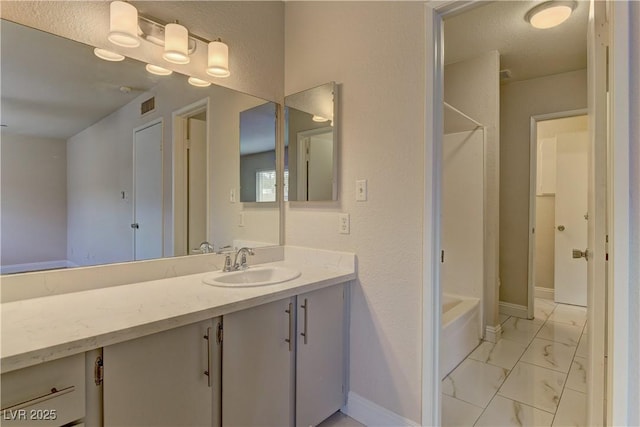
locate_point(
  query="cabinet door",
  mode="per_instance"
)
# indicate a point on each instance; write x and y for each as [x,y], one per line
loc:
[320,355]
[257,367]
[160,380]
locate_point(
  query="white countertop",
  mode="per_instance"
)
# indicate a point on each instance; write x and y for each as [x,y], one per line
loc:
[41,329]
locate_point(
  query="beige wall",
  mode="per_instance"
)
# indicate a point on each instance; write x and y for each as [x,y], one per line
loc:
[518,102]
[473,86]
[376,52]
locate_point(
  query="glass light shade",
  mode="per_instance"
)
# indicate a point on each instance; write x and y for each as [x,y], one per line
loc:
[218,59]
[176,44]
[107,55]
[319,119]
[194,81]
[123,24]
[550,14]
[159,71]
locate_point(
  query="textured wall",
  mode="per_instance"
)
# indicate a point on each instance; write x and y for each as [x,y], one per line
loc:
[374,51]
[254,32]
[518,102]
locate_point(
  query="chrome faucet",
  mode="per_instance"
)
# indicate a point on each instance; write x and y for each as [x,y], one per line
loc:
[243,252]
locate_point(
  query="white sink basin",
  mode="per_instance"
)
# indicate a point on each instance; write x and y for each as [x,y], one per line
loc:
[253,276]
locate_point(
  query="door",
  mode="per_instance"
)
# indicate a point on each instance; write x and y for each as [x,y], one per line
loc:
[147,192]
[315,164]
[160,380]
[258,363]
[570,274]
[320,355]
[196,184]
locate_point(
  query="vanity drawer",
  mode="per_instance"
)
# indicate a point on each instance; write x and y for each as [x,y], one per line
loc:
[49,394]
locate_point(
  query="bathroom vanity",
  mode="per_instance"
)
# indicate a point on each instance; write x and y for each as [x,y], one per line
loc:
[177,351]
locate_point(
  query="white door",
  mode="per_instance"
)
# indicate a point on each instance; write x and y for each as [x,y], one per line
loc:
[571,217]
[160,380]
[320,355]
[147,192]
[197,184]
[315,164]
[257,367]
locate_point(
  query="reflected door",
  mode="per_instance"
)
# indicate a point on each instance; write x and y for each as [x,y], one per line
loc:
[315,164]
[197,184]
[571,218]
[147,192]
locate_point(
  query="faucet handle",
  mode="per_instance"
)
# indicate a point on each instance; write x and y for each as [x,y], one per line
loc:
[227,263]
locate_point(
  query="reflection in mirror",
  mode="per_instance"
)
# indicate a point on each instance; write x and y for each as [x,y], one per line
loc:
[258,154]
[311,140]
[103,162]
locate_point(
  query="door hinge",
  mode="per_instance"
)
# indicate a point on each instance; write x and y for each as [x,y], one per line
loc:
[98,371]
[219,333]
[188,144]
[442,256]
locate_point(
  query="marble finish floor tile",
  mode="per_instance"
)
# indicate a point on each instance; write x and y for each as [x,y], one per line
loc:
[504,353]
[549,354]
[560,332]
[503,318]
[505,412]
[542,308]
[582,350]
[458,413]
[577,379]
[474,382]
[573,315]
[535,386]
[520,330]
[572,410]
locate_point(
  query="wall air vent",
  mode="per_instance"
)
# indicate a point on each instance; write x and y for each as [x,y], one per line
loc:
[148,106]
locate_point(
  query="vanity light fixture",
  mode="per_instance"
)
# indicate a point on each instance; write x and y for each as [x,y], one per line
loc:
[107,55]
[550,14]
[218,59]
[123,24]
[176,44]
[157,70]
[319,119]
[194,81]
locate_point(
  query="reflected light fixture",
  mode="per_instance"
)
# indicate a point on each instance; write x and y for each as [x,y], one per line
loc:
[157,70]
[319,119]
[123,24]
[194,81]
[107,55]
[550,14]
[176,44]
[218,59]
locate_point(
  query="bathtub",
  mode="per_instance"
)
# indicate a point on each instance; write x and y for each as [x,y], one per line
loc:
[460,330]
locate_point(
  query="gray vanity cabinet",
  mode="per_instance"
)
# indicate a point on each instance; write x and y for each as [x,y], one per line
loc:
[166,379]
[283,362]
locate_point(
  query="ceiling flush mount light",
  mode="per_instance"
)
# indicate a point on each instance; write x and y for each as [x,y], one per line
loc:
[550,14]
[319,119]
[107,55]
[123,24]
[158,71]
[218,59]
[194,81]
[176,44]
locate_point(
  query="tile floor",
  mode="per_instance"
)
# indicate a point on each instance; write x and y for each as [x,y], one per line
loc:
[535,375]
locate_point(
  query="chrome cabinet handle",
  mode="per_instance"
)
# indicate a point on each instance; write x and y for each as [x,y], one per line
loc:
[208,371]
[306,311]
[34,401]
[290,313]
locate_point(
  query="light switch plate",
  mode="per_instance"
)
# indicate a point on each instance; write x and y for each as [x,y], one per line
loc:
[344,226]
[241,219]
[361,190]
[232,195]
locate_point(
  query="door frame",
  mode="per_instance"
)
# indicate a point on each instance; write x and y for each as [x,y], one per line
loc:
[302,177]
[533,175]
[179,118]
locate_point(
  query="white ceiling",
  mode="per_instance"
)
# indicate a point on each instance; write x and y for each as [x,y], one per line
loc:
[526,51]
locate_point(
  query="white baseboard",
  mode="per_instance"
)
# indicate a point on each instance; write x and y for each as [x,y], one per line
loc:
[493,333]
[546,293]
[514,310]
[36,266]
[370,414]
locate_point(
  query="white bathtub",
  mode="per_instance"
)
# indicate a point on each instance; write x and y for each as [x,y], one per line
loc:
[460,330]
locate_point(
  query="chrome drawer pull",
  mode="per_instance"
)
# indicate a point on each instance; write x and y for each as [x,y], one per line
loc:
[54,393]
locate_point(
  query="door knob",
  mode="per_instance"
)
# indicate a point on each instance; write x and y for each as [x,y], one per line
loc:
[561,228]
[577,253]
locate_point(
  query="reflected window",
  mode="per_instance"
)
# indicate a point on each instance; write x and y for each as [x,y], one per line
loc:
[266,185]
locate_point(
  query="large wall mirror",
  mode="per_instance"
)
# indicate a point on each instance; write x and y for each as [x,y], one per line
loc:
[311,144]
[103,162]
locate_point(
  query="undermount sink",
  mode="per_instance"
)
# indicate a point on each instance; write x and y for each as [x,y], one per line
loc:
[252,276]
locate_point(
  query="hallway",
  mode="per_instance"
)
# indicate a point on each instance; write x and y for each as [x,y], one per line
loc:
[535,375]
